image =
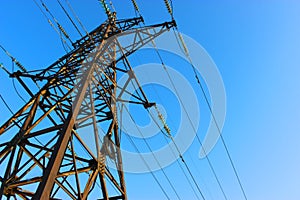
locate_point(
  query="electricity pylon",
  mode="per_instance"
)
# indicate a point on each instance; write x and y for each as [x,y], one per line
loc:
[58,144]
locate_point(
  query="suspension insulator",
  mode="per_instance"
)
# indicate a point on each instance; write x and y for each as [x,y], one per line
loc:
[63,31]
[163,121]
[183,44]
[168,7]
[106,9]
[135,6]
[20,66]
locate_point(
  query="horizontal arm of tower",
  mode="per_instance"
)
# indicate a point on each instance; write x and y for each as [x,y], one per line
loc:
[86,44]
[140,37]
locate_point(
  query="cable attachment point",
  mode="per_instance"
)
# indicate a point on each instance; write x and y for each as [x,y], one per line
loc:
[148,104]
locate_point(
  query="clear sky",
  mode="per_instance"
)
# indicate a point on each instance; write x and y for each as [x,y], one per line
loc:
[254,44]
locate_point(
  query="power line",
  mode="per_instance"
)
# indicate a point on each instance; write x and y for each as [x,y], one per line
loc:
[10,110]
[210,110]
[69,17]
[170,10]
[166,135]
[148,167]
[163,120]
[2,67]
[133,144]
[186,165]
[193,127]
[55,29]
[7,106]
[77,18]
[167,130]
[56,21]
[188,116]
[14,61]
[156,160]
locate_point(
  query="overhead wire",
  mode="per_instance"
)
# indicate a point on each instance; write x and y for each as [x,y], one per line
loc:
[150,149]
[20,66]
[7,106]
[76,17]
[166,136]
[211,112]
[185,51]
[23,69]
[69,17]
[164,67]
[169,135]
[169,7]
[60,27]
[4,68]
[20,96]
[168,130]
[17,63]
[166,127]
[147,165]
[194,130]
[64,42]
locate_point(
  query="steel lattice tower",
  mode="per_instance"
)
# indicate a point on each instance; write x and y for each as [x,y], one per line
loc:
[44,153]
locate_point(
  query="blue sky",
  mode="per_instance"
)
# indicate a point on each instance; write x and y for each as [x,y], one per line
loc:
[255,46]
